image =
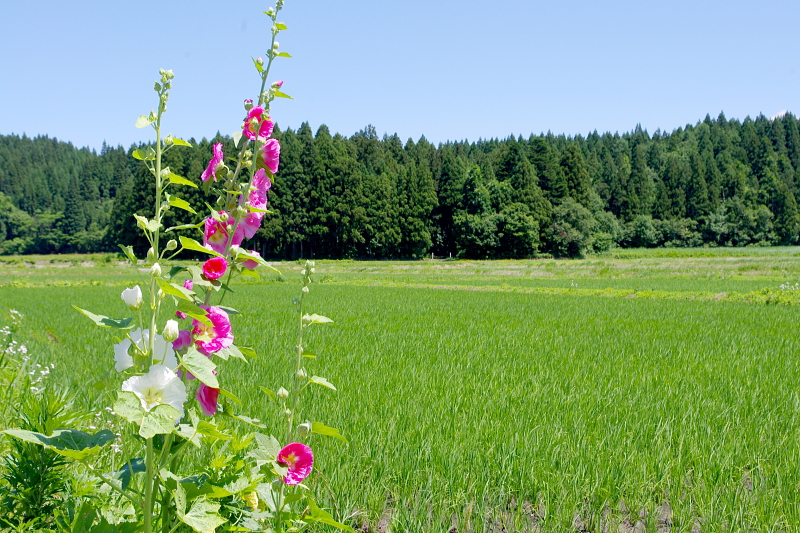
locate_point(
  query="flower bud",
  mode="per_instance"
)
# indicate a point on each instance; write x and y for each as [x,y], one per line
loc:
[288,413]
[283,394]
[248,104]
[313,270]
[157,87]
[133,298]
[172,244]
[259,60]
[276,45]
[270,11]
[305,290]
[303,272]
[277,484]
[171,331]
[155,271]
[151,255]
[304,428]
[277,84]
[168,140]
[301,374]
[240,212]
[152,116]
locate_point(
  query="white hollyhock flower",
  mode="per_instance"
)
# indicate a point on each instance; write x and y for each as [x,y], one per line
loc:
[133,298]
[171,330]
[160,386]
[163,354]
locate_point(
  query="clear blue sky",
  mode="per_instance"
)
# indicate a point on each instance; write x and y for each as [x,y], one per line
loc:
[82,71]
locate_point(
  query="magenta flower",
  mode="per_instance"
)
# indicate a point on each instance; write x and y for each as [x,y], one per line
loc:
[277,84]
[213,165]
[187,284]
[207,398]
[183,341]
[216,337]
[257,199]
[215,236]
[271,154]
[299,459]
[251,124]
[215,267]
[250,264]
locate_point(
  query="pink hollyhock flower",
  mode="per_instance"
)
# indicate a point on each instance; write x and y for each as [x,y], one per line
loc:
[257,199]
[215,267]
[217,336]
[183,341]
[250,264]
[187,284]
[277,84]
[207,398]
[299,459]
[213,165]
[216,234]
[252,121]
[271,154]
[261,182]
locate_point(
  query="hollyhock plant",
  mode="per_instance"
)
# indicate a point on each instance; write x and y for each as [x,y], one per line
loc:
[251,124]
[215,268]
[207,399]
[216,337]
[133,298]
[258,200]
[214,165]
[187,284]
[216,234]
[271,154]
[250,264]
[160,386]
[299,459]
[163,352]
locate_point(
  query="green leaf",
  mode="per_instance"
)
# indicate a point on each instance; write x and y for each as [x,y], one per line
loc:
[129,407]
[191,244]
[128,251]
[316,319]
[210,430]
[104,321]
[179,180]
[181,204]
[181,142]
[322,381]
[269,393]
[231,351]
[277,92]
[125,473]
[259,68]
[318,515]
[203,517]
[147,155]
[266,450]
[309,355]
[281,26]
[248,351]
[191,309]
[231,396]
[189,433]
[229,310]
[144,223]
[184,226]
[175,290]
[284,54]
[201,367]
[159,420]
[142,122]
[247,420]
[322,429]
[236,136]
[67,442]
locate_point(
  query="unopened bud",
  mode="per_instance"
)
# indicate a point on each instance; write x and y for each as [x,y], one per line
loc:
[223,217]
[157,87]
[168,140]
[172,244]
[248,105]
[155,271]
[277,84]
[170,332]
[301,374]
[240,212]
[313,270]
[270,11]
[303,272]
[276,45]
[283,394]
[305,290]
[288,413]
[259,60]
[152,116]
[304,428]
[133,298]
[151,255]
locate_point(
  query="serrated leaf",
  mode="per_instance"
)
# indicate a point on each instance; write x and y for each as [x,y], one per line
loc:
[67,442]
[143,121]
[201,367]
[180,180]
[181,204]
[322,429]
[266,450]
[210,430]
[231,351]
[144,223]
[105,322]
[129,407]
[316,319]
[203,517]
[128,251]
[193,310]
[189,433]
[278,93]
[191,244]
[146,155]
[175,290]
[159,420]
[322,381]
[181,142]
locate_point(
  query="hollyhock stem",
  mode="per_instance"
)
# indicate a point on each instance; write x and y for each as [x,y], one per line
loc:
[148,488]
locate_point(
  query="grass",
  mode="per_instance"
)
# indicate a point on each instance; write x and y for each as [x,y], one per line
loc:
[481,395]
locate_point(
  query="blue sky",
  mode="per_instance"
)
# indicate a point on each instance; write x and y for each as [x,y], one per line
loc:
[82,71]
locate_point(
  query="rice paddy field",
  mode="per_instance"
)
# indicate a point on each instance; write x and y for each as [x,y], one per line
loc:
[642,390]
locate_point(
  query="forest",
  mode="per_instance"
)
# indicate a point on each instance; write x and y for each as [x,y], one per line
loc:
[719,182]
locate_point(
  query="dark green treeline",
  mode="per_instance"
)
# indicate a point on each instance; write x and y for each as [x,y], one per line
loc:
[720,183]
